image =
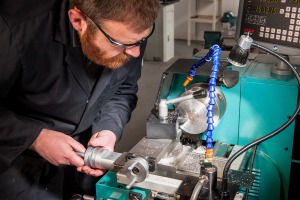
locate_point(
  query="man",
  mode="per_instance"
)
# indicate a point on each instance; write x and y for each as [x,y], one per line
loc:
[68,79]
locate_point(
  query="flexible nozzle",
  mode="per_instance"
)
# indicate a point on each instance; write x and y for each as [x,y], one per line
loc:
[187,81]
[209,155]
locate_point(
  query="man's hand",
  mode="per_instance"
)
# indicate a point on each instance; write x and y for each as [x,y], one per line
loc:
[105,139]
[58,148]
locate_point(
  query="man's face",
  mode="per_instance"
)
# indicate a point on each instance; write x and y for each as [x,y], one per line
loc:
[97,47]
[99,55]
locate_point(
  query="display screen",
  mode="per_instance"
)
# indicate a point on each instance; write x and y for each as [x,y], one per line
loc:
[275,23]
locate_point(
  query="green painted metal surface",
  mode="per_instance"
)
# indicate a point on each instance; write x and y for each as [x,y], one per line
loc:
[266,103]
[108,188]
[267,184]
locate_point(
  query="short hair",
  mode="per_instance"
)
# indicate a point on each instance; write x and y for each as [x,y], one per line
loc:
[139,14]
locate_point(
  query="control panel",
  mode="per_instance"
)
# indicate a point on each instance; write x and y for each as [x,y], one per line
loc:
[272,21]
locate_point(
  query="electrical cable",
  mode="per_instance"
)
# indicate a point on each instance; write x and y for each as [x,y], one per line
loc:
[250,168]
[224,188]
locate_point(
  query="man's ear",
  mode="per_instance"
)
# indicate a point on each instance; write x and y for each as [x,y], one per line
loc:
[77,19]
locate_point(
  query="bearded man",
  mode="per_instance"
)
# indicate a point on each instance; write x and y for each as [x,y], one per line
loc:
[68,80]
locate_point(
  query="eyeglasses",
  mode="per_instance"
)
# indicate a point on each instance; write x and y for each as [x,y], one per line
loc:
[122,45]
[115,42]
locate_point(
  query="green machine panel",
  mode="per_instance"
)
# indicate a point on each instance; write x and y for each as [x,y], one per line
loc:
[108,188]
[267,101]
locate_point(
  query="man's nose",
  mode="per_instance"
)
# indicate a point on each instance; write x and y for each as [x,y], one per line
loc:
[133,51]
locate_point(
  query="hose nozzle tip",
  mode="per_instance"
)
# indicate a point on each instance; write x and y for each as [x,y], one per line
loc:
[187,81]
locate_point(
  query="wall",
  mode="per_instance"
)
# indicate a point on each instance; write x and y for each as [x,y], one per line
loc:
[181,16]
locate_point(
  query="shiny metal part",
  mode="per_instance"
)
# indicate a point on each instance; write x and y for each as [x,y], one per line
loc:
[172,156]
[192,113]
[100,158]
[153,182]
[153,147]
[200,184]
[192,116]
[183,159]
[80,154]
[136,170]
[162,195]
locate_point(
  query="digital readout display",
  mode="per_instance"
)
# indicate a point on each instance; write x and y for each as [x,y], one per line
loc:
[272,22]
[262,9]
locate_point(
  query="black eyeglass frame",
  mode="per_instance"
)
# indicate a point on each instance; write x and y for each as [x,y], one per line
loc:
[119,44]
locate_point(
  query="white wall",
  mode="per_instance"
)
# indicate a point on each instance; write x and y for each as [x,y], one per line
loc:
[181,16]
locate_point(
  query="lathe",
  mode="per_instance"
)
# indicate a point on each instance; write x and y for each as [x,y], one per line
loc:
[169,162]
[217,131]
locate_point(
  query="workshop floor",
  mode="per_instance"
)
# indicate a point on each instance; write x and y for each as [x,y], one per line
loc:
[148,88]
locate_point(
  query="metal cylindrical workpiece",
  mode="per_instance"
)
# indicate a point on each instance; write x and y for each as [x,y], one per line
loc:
[100,158]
